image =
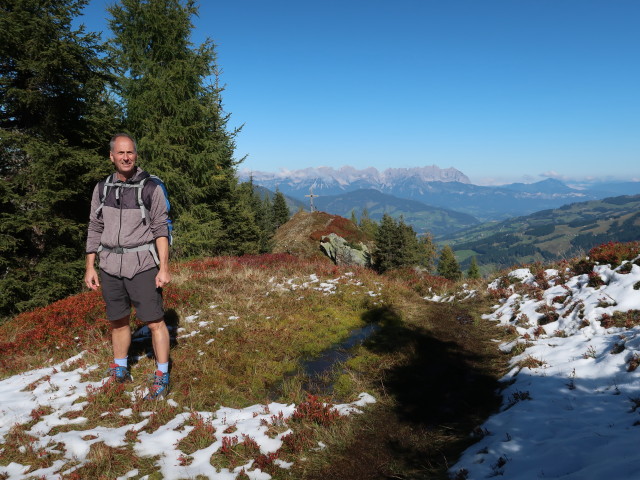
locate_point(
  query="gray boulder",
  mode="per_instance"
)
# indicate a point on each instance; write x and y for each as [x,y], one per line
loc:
[339,250]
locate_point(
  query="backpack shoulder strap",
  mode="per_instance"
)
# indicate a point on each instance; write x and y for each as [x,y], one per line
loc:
[107,183]
[139,187]
[158,181]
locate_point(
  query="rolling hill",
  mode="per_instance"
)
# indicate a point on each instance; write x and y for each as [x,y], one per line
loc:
[549,234]
[423,218]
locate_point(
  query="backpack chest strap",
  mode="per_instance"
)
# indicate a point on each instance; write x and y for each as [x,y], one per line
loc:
[118,185]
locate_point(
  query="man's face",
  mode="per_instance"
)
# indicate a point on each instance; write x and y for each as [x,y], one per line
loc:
[124,156]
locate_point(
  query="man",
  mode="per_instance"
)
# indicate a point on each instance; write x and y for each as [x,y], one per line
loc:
[132,241]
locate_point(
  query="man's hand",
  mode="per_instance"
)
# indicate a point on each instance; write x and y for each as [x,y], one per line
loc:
[91,279]
[162,278]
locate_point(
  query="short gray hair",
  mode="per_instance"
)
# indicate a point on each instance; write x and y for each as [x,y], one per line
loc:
[112,142]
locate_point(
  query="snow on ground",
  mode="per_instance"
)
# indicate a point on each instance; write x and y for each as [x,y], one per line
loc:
[52,387]
[570,407]
[570,401]
[327,287]
[60,387]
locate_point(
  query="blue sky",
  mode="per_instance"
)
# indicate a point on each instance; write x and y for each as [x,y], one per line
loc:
[503,90]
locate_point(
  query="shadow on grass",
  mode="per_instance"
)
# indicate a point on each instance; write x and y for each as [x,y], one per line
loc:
[438,387]
[141,344]
[441,377]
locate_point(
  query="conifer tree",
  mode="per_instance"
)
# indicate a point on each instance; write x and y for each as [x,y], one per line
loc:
[55,120]
[262,210]
[175,111]
[245,231]
[281,212]
[367,225]
[265,221]
[397,245]
[448,266]
[474,271]
[385,255]
[408,247]
[426,252]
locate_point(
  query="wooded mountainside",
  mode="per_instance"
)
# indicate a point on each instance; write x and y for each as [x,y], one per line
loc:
[548,235]
[64,92]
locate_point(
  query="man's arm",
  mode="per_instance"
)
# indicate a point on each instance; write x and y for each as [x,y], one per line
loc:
[91,279]
[94,234]
[162,247]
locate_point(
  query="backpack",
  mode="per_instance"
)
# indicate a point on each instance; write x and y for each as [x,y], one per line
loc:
[139,186]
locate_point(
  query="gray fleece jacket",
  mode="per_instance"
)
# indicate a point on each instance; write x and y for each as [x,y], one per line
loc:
[120,224]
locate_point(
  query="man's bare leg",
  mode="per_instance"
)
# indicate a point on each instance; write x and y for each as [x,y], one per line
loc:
[160,340]
[121,337]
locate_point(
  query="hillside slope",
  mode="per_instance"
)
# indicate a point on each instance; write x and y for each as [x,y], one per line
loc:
[571,399]
[246,332]
[550,234]
[423,218]
[302,234]
[415,397]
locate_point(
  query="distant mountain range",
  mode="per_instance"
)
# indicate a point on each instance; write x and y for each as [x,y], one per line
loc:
[432,188]
[521,223]
[329,181]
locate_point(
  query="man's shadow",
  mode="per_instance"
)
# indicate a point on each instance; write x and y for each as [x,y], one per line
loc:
[141,344]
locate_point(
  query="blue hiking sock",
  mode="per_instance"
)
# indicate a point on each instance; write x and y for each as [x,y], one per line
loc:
[121,362]
[163,367]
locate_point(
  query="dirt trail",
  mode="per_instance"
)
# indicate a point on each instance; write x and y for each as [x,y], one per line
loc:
[441,390]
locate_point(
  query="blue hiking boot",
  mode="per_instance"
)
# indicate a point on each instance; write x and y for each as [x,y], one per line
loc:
[118,374]
[160,386]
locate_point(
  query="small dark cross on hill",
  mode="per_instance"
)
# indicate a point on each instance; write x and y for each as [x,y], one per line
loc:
[311,197]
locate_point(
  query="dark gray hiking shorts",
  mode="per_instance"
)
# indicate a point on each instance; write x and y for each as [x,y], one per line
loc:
[140,291]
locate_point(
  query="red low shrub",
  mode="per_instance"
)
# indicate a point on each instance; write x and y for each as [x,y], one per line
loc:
[614,253]
[61,325]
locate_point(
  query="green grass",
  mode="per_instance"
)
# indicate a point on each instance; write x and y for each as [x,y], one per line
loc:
[258,319]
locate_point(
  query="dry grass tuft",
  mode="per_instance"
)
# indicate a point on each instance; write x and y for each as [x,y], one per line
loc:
[201,436]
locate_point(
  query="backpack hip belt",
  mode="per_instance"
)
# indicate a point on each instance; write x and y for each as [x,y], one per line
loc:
[142,248]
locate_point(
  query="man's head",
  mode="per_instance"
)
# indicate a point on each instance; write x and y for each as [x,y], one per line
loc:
[112,142]
[123,154]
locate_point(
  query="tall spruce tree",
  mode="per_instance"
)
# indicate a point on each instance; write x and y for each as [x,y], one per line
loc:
[408,246]
[54,118]
[172,105]
[386,252]
[426,252]
[245,231]
[397,245]
[281,212]
[448,266]
[261,209]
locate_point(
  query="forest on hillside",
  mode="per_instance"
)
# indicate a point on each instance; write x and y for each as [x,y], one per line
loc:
[548,235]
[64,92]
